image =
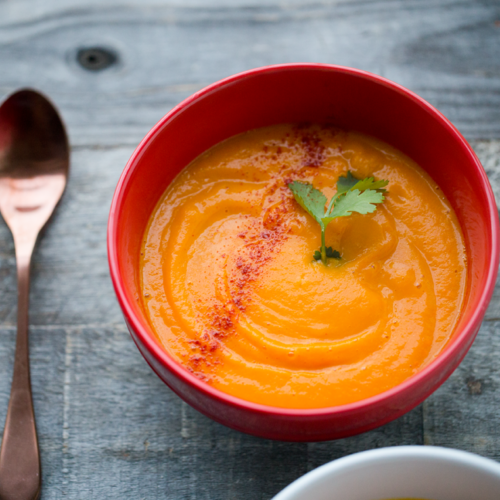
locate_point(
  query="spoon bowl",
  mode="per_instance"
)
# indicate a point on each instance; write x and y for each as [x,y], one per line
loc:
[34,165]
[34,160]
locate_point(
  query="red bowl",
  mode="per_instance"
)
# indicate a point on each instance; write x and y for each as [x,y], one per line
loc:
[351,99]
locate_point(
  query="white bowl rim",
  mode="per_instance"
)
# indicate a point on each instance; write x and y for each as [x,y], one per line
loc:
[449,455]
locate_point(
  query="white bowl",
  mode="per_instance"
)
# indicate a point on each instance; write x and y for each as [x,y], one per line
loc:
[401,472]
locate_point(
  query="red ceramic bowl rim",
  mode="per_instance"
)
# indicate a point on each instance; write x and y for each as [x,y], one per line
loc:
[440,363]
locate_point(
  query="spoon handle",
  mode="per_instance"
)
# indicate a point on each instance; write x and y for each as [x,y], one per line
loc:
[20,474]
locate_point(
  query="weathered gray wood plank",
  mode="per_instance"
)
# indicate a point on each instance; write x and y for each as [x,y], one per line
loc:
[464,413]
[445,50]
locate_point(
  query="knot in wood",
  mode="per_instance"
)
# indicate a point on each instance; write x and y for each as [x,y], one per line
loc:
[96,58]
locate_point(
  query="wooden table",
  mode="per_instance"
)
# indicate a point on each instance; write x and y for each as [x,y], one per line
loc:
[108,427]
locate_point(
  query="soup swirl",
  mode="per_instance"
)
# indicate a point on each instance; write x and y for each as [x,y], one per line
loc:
[233,294]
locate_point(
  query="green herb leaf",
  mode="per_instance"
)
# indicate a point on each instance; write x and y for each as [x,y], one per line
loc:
[330,252]
[353,195]
[310,199]
[333,254]
[370,183]
[354,201]
[346,183]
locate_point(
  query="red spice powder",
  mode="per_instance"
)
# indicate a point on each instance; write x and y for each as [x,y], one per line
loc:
[263,239]
[312,147]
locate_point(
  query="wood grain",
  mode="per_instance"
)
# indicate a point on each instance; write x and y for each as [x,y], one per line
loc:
[464,412]
[447,51]
[108,427]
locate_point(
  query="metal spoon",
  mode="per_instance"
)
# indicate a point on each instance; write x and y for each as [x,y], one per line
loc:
[34,163]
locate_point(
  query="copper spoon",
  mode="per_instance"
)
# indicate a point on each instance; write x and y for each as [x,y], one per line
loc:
[34,163]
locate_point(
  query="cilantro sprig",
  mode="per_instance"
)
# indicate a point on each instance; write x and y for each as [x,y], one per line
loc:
[353,195]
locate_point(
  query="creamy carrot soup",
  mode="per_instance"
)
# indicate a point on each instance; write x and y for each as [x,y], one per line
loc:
[232,290]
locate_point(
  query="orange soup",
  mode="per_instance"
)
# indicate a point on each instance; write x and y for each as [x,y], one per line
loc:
[233,293]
